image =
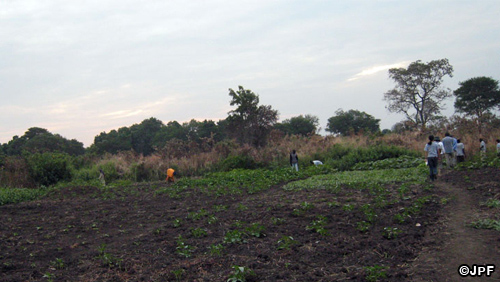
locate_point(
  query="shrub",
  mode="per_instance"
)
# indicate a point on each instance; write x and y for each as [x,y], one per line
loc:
[235,162]
[49,168]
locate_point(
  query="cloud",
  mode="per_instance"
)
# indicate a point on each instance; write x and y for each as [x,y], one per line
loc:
[377,69]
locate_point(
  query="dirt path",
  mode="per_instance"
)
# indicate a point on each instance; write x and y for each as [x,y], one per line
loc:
[459,243]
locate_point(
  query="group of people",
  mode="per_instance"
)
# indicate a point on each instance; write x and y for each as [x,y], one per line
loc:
[294,161]
[452,149]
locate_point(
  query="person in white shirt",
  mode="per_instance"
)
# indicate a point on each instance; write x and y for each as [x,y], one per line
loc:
[498,148]
[482,147]
[441,150]
[460,150]
[316,162]
[433,151]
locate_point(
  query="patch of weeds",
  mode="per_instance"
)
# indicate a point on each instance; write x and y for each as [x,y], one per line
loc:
[391,232]
[238,223]
[198,215]
[375,273]
[108,259]
[256,230]
[178,273]
[363,226]
[182,248]
[49,276]
[286,243]
[333,204]
[492,203]
[304,207]
[277,220]
[234,237]
[216,250]
[177,223]
[402,217]
[212,219]
[241,207]
[219,208]
[58,263]
[486,224]
[318,226]
[348,207]
[199,232]
[369,213]
[240,274]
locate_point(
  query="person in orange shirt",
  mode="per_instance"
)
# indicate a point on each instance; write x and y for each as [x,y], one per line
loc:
[170,175]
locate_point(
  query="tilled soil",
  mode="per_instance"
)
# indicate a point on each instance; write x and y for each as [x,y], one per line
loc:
[83,234]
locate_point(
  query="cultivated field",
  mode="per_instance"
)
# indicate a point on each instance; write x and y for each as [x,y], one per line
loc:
[257,225]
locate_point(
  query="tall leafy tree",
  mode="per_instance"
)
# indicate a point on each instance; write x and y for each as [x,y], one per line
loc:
[301,125]
[352,122]
[143,135]
[250,122]
[476,97]
[39,140]
[418,93]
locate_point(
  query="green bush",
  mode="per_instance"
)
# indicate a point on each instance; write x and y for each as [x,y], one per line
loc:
[49,168]
[17,195]
[345,158]
[236,162]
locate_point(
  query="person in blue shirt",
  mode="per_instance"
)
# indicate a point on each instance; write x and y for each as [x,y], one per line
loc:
[449,145]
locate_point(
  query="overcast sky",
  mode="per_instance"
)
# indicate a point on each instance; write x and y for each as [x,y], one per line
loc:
[78,68]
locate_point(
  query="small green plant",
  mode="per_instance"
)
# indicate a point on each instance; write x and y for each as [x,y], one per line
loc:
[50,277]
[199,232]
[108,259]
[240,274]
[58,263]
[277,220]
[375,273]
[333,204]
[348,207]
[241,207]
[305,206]
[286,243]
[363,226]
[391,232]
[319,226]
[492,203]
[256,230]
[234,237]
[216,250]
[177,223]
[178,273]
[182,248]
[212,219]
[486,224]
[198,215]
[219,208]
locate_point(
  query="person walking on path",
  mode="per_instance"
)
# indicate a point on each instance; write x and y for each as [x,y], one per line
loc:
[460,151]
[433,150]
[294,160]
[498,148]
[441,150]
[448,146]
[482,148]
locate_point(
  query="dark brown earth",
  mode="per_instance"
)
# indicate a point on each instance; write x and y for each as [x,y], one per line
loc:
[458,242]
[132,234]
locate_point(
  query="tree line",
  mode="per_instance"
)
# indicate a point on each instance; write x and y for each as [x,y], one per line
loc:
[418,94]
